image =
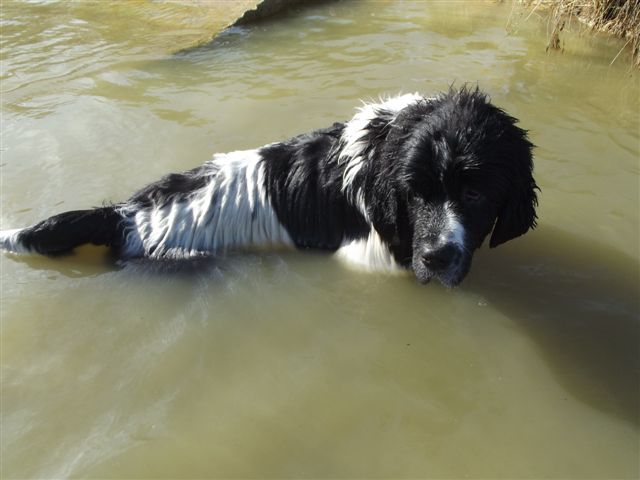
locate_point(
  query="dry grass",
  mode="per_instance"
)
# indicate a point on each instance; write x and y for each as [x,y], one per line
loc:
[617,17]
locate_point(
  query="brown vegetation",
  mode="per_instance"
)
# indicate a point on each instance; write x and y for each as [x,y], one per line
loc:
[618,17]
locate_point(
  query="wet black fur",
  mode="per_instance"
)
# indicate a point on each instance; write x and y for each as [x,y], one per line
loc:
[304,184]
[457,149]
[173,186]
[63,232]
[434,151]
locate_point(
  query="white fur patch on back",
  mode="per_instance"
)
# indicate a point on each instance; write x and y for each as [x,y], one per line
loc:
[353,142]
[370,253]
[230,211]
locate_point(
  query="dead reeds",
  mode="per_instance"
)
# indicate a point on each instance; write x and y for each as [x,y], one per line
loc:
[617,17]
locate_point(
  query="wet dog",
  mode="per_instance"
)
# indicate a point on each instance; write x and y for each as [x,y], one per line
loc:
[410,182]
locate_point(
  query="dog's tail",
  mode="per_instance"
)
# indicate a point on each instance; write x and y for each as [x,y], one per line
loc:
[62,233]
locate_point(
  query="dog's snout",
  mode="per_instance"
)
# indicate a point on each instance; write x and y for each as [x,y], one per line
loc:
[439,257]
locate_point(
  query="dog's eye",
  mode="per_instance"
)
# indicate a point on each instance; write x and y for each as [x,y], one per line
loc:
[470,195]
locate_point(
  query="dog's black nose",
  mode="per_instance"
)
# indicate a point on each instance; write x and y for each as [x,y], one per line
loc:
[438,258]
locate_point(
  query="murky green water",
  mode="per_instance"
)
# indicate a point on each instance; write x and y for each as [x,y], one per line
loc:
[292,365]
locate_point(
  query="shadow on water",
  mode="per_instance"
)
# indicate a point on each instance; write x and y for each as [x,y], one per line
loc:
[91,261]
[579,301]
[86,261]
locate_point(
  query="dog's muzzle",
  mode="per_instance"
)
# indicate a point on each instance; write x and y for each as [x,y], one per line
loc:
[444,261]
[440,257]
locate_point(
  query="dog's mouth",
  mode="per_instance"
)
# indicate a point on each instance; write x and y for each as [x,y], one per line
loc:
[448,264]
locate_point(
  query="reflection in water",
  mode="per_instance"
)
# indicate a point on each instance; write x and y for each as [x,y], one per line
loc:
[579,301]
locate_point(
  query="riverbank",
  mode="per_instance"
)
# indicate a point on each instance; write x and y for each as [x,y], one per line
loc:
[620,18]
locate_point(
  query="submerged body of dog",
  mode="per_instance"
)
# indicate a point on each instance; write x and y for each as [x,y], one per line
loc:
[410,182]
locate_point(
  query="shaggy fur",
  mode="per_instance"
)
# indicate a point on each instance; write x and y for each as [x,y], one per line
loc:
[410,182]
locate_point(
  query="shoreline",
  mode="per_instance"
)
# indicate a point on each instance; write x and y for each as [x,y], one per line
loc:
[618,18]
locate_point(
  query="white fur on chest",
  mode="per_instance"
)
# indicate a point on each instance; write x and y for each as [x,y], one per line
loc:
[370,253]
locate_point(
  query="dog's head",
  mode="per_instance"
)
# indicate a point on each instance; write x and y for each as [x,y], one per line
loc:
[450,171]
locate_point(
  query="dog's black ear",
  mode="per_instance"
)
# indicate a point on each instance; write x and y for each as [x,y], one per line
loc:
[518,212]
[516,217]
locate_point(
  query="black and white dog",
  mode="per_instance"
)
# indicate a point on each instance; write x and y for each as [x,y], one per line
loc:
[410,182]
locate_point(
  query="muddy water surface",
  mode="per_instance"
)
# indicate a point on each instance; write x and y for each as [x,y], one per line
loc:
[291,365]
